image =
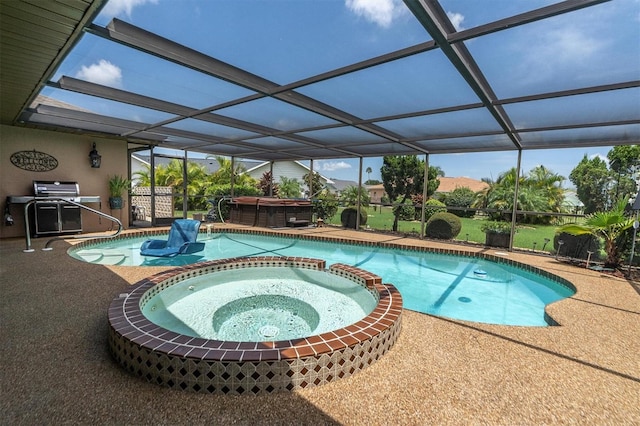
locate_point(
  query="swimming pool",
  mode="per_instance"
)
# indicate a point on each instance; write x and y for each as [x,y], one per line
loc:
[474,288]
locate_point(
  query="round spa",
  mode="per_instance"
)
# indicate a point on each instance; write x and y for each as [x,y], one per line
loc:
[254,325]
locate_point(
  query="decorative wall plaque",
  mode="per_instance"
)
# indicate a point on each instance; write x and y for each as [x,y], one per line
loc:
[34,161]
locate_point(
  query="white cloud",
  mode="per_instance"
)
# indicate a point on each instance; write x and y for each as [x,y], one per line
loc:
[381,12]
[572,44]
[117,7]
[330,166]
[602,157]
[558,50]
[104,72]
[456,19]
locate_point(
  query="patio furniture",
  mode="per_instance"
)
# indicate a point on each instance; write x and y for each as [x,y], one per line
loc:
[182,240]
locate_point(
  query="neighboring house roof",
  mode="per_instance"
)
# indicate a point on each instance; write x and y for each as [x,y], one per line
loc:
[290,169]
[211,164]
[45,100]
[571,199]
[448,184]
[340,184]
[375,187]
[376,192]
[140,159]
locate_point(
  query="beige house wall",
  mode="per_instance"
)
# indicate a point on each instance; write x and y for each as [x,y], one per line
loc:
[72,153]
[376,192]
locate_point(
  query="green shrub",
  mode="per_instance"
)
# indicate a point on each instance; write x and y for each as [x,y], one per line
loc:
[405,211]
[577,246]
[348,217]
[461,197]
[417,200]
[433,206]
[325,205]
[496,227]
[444,226]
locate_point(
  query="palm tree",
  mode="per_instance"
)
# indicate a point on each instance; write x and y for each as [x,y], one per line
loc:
[223,174]
[143,177]
[482,196]
[608,225]
[289,187]
[550,184]
[368,171]
[540,190]
[349,196]
[172,175]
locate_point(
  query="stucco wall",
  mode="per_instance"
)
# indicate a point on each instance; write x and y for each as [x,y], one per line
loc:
[376,192]
[72,153]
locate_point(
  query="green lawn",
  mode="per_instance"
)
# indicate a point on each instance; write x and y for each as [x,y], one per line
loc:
[381,218]
[526,235]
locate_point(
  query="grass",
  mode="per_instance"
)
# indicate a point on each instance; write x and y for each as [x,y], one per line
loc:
[381,218]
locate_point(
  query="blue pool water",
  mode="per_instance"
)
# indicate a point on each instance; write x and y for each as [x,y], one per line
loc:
[450,286]
[260,304]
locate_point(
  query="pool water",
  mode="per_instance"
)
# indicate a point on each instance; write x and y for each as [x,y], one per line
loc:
[451,286]
[260,304]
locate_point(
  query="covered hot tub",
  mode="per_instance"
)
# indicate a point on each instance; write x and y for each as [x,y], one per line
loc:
[270,212]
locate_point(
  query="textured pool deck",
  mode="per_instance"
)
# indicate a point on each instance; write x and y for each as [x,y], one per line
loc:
[56,368]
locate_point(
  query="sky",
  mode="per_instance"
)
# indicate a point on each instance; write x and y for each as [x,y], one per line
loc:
[474,165]
[263,37]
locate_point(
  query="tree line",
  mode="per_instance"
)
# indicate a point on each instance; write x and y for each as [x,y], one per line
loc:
[599,184]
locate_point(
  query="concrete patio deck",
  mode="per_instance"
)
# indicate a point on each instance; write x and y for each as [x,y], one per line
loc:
[56,368]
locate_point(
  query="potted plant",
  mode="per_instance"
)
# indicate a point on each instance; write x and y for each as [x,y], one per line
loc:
[610,226]
[118,185]
[497,234]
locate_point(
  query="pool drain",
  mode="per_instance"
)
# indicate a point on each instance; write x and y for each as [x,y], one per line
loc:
[269,331]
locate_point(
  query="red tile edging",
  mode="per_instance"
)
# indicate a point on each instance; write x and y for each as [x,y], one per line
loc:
[175,360]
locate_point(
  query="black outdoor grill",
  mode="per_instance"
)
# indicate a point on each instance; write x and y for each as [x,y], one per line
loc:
[53,208]
[52,215]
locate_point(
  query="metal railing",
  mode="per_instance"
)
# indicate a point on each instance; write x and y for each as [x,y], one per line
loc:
[82,206]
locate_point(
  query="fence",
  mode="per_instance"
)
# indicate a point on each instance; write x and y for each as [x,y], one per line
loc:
[141,202]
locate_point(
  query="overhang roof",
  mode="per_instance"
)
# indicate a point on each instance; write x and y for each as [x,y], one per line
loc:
[34,39]
[336,113]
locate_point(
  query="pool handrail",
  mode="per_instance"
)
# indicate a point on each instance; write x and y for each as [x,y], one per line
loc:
[65,200]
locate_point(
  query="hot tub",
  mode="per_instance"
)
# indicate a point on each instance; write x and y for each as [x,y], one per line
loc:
[181,358]
[270,212]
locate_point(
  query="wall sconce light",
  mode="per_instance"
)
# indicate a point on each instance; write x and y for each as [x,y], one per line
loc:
[95,158]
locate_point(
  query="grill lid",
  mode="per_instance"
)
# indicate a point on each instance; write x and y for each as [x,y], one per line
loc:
[56,188]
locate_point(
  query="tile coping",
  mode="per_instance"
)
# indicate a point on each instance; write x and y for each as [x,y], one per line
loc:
[225,367]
